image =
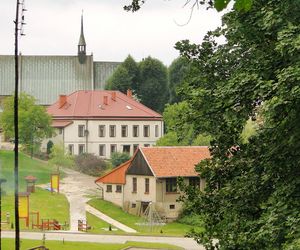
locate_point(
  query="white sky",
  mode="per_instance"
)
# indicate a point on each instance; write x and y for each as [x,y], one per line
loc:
[53,28]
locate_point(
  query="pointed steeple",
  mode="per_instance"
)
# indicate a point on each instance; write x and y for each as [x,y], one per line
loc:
[81,44]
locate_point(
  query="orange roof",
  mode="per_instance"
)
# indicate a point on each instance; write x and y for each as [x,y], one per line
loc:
[116,176]
[174,161]
[102,104]
[61,124]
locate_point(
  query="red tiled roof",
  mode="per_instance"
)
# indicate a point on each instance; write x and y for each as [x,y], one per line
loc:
[61,124]
[116,176]
[174,161]
[92,104]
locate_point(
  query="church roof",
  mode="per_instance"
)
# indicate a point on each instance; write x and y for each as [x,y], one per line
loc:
[102,104]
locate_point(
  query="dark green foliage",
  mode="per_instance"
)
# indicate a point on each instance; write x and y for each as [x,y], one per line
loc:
[177,72]
[49,146]
[117,158]
[252,197]
[90,164]
[153,85]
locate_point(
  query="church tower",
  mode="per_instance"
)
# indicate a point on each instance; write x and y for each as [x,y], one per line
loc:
[81,45]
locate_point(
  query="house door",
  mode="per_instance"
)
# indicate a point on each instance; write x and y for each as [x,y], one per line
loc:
[144,205]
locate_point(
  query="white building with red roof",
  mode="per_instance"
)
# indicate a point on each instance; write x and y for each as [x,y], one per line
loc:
[102,122]
[151,176]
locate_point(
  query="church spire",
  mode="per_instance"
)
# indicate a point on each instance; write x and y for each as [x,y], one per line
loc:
[81,44]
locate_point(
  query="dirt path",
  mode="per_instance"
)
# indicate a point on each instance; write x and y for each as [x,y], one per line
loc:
[78,189]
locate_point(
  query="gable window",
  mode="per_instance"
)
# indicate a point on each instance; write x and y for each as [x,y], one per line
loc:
[101,149]
[80,130]
[101,131]
[71,149]
[134,185]
[147,185]
[135,130]
[171,185]
[118,189]
[81,149]
[124,130]
[113,148]
[108,188]
[126,149]
[112,130]
[146,130]
[194,182]
[156,131]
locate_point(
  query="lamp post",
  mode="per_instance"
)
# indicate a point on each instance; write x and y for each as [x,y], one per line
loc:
[2,180]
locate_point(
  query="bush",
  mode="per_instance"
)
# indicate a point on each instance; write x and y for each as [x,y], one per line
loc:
[90,164]
[60,157]
[191,219]
[118,158]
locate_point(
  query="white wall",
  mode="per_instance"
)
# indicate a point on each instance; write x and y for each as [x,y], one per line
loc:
[114,197]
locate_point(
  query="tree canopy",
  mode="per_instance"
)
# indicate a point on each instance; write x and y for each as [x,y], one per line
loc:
[252,196]
[34,122]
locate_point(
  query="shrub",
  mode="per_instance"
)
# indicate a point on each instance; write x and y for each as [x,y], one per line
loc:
[90,164]
[118,158]
[60,157]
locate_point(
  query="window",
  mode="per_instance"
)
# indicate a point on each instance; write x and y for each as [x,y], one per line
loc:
[126,149]
[108,188]
[133,205]
[101,131]
[147,184]
[194,182]
[81,149]
[60,131]
[135,146]
[101,149]
[113,148]
[146,131]
[71,149]
[172,206]
[118,189]
[124,130]
[135,130]
[134,185]
[156,131]
[80,130]
[146,145]
[171,185]
[112,130]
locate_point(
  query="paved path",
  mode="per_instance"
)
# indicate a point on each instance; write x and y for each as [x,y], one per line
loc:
[77,187]
[185,243]
[109,220]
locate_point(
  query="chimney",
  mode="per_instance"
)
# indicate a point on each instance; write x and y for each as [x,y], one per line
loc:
[129,93]
[62,101]
[105,100]
[114,96]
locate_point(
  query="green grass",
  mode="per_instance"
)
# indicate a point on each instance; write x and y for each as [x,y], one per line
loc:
[173,229]
[55,245]
[27,166]
[50,206]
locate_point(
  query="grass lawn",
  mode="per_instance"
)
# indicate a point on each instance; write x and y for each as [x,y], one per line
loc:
[173,229]
[55,245]
[27,166]
[50,206]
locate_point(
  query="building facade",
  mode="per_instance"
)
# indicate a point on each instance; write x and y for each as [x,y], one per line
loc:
[103,122]
[46,77]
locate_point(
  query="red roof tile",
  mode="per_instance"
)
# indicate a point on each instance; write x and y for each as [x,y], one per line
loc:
[92,104]
[61,124]
[116,176]
[174,161]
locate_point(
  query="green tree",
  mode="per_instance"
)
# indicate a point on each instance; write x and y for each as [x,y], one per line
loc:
[60,157]
[177,72]
[153,85]
[117,158]
[252,196]
[133,70]
[34,122]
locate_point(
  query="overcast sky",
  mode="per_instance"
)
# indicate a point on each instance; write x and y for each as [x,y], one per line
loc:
[53,28]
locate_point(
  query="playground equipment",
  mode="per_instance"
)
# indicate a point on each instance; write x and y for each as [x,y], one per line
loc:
[46,224]
[83,226]
[24,206]
[39,248]
[54,182]
[30,181]
[151,218]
